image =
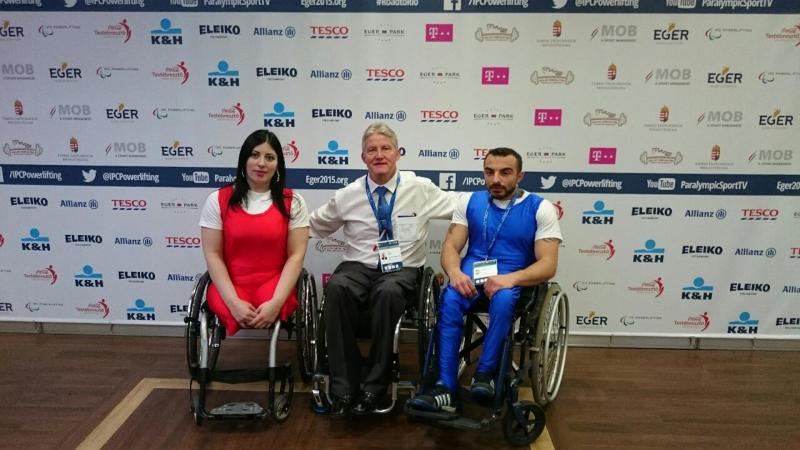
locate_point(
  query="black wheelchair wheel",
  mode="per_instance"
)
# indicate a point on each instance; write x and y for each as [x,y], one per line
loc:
[523,423]
[320,347]
[426,313]
[305,324]
[281,408]
[550,342]
[192,333]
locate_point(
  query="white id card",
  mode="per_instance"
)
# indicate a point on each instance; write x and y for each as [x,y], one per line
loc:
[405,227]
[390,257]
[482,270]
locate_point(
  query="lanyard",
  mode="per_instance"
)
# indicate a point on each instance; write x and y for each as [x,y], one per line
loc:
[388,227]
[502,219]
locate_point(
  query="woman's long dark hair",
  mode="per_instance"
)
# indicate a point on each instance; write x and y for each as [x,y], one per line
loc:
[278,182]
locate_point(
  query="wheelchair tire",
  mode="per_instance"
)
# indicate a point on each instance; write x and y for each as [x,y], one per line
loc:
[281,408]
[426,313]
[192,333]
[305,324]
[320,344]
[521,434]
[550,342]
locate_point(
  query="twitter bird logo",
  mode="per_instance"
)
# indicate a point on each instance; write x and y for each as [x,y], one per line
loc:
[88,176]
[548,182]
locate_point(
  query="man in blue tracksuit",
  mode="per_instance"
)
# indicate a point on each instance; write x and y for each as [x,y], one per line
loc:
[513,242]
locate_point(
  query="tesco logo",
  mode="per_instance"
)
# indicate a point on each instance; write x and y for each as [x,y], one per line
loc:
[182,242]
[329,32]
[760,214]
[128,205]
[438,116]
[386,74]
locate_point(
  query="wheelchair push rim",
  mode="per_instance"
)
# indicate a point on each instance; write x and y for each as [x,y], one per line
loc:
[551,339]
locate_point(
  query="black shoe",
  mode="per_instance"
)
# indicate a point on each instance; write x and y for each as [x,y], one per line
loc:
[340,406]
[439,398]
[367,403]
[482,386]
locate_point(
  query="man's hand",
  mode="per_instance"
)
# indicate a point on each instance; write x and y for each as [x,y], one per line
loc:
[243,312]
[495,283]
[266,314]
[463,284]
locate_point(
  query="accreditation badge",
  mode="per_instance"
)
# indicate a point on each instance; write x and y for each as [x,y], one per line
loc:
[482,270]
[391,259]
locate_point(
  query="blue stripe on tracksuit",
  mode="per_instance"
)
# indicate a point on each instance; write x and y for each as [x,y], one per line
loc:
[513,251]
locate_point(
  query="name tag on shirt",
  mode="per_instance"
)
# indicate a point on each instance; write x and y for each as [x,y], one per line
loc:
[482,270]
[391,258]
[405,228]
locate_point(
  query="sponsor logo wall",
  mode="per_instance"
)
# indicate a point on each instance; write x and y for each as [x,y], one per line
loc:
[670,155]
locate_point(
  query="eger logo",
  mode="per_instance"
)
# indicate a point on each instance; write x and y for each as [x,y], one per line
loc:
[439,32]
[178,72]
[495,75]
[8,31]
[669,77]
[614,33]
[329,32]
[382,74]
[219,31]
[725,77]
[651,212]
[550,75]
[591,320]
[288,32]
[701,251]
[670,34]
[601,117]
[182,242]
[330,245]
[176,150]
[35,242]
[496,33]
[47,274]
[547,117]
[745,325]
[121,113]
[166,34]
[701,322]
[331,114]
[119,30]
[750,288]
[279,117]
[605,249]
[761,214]
[776,119]
[224,76]
[290,151]
[698,290]
[649,254]
[21,148]
[333,156]
[65,73]
[602,155]
[655,287]
[88,278]
[140,311]
[660,156]
[277,73]
[438,116]
[100,308]
[128,205]
[597,216]
[234,114]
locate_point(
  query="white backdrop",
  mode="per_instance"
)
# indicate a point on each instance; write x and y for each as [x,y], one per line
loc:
[683,126]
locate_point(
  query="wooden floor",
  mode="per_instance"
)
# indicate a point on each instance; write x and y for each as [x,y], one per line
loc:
[61,391]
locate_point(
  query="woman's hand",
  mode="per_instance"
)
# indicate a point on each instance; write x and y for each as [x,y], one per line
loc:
[243,312]
[266,314]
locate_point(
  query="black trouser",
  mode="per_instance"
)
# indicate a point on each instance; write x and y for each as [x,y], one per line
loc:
[353,287]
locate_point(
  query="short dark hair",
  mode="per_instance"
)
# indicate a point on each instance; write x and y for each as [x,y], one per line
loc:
[505,151]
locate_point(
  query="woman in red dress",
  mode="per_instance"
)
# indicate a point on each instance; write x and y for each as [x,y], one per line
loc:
[254,234]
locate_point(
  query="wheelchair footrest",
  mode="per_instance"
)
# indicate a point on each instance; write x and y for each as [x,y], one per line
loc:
[452,420]
[238,409]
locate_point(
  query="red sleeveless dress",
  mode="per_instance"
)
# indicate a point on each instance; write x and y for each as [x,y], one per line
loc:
[254,249]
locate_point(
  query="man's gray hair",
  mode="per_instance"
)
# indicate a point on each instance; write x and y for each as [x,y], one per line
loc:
[378,128]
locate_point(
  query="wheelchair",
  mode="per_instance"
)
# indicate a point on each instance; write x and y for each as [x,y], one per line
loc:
[540,330]
[204,335]
[314,356]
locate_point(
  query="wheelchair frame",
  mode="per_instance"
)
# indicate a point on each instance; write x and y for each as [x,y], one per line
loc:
[542,337]
[204,335]
[314,347]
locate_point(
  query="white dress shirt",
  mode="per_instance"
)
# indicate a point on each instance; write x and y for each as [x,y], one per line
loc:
[257,203]
[417,201]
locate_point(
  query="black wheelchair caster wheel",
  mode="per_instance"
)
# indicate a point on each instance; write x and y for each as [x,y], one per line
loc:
[197,419]
[281,408]
[523,423]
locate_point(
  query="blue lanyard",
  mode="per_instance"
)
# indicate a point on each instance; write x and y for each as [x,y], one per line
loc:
[388,227]
[502,220]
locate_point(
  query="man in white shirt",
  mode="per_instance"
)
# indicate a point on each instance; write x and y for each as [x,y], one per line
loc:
[384,216]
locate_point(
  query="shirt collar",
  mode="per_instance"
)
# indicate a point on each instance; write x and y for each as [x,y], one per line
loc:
[390,185]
